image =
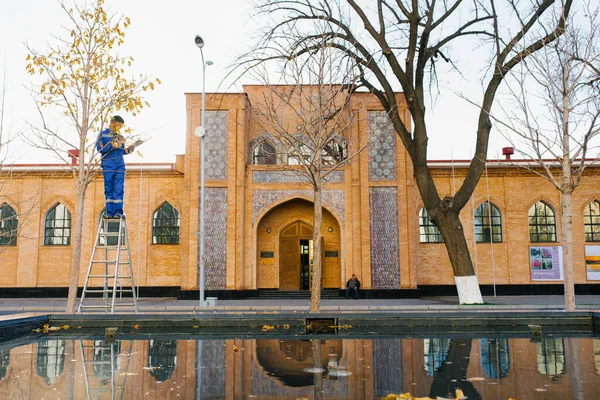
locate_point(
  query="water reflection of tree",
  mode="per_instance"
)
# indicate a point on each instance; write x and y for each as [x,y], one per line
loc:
[452,374]
[574,365]
[317,354]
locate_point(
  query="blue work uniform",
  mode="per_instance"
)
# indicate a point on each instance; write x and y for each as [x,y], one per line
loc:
[111,146]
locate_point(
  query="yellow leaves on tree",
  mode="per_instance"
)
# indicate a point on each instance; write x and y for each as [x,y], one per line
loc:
[83,75]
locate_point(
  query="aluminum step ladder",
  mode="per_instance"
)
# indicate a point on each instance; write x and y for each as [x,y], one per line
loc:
[106,367]
[110,273]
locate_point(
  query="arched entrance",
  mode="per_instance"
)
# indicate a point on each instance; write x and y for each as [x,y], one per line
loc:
[295,256]
[284,248]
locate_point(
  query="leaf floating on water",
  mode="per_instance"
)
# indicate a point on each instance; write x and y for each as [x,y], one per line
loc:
[540,390]
[47,328]
[136,326]
[267,328]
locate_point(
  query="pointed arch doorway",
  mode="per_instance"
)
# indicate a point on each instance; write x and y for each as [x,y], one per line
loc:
[284,247]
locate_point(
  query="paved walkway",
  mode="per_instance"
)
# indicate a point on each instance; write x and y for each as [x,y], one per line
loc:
[431,304]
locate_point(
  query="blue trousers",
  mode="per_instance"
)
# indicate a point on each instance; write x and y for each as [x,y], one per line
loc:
[354,292]
[114,189]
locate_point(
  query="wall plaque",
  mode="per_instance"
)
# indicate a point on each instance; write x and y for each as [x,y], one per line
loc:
[267,254]
[331,253]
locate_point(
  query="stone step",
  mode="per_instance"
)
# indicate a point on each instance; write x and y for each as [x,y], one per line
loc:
[296,294]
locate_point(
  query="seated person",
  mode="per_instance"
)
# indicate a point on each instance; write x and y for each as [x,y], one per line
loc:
[352,286]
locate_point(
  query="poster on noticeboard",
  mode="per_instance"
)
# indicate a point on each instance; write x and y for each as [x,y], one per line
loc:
[545,263]
[592,262]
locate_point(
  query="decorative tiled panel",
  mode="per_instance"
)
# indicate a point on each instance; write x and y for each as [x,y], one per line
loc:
[385,271]
[263,199]
[291,176]
[212,369]
[215,145]
[387,367]
[215,238]
[382,147]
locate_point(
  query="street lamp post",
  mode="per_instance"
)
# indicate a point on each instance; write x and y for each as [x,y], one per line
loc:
[201,133]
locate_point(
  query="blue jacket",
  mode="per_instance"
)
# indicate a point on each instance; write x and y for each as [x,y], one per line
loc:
[112,148]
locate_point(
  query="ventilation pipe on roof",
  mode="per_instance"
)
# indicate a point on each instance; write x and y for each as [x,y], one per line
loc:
[74,155]
[507,152]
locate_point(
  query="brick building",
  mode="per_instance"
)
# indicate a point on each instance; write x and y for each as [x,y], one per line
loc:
[259,216]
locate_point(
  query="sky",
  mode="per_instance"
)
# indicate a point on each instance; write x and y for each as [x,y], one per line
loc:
[161,40]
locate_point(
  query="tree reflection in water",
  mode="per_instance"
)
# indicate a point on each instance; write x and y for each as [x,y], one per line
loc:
[452,374]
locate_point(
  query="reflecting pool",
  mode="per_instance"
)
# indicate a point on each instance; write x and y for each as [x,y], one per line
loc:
[329,367]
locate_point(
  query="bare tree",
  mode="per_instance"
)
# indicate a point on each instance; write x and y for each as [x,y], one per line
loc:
[401,44]
[84,82]
[308,115]
[554,122]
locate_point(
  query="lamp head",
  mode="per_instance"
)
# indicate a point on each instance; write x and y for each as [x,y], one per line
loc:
[199,42]
[209,63]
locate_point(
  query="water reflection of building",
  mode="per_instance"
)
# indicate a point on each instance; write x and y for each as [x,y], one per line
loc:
[272,368]
[50,361]
[162,358]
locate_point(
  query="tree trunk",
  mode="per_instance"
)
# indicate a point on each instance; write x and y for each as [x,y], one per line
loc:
[315,296]
[76,249]
[567,249]
[452,231]
[452,375]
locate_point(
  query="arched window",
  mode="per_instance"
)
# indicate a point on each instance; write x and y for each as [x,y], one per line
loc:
[165,225]
[495,357]
[106,362]
[429,232]
[591,221]
[488,223]
[162,359]
[50,360]
[596,355]
[264,154]
[435,350]
[8,225]
[542,223]
[57,226]
[551,356]
[4,362]
[333,153]
[297,156]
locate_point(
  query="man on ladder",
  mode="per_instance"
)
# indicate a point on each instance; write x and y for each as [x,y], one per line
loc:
[111,146]
[110,272]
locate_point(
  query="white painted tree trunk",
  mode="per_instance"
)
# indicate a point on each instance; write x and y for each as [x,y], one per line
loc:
[468,290]
[567,250]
